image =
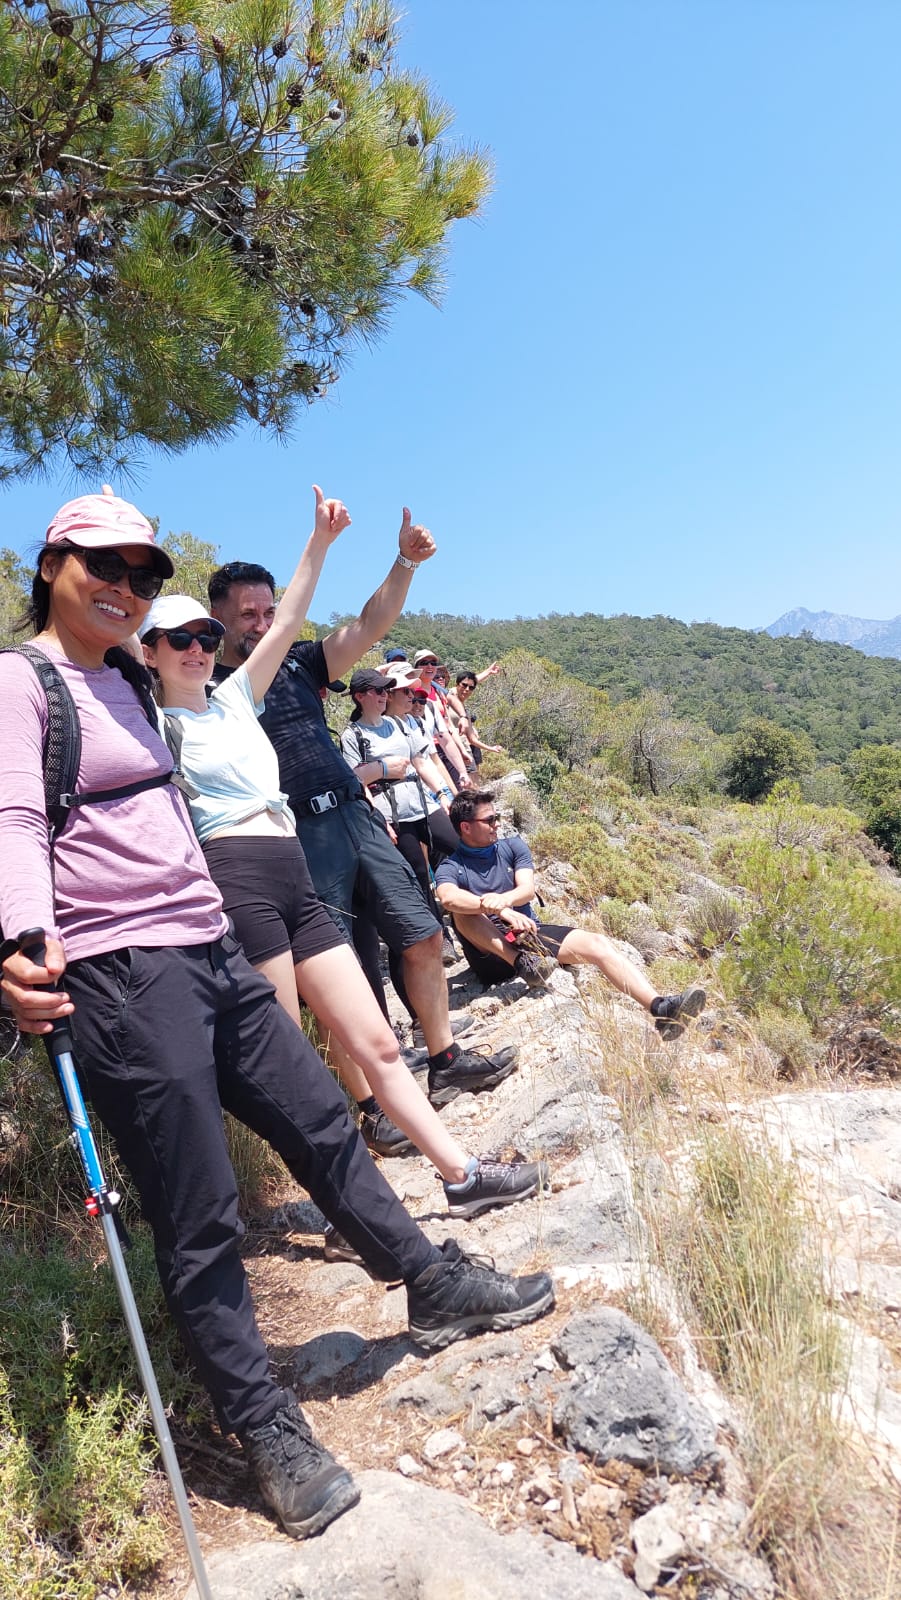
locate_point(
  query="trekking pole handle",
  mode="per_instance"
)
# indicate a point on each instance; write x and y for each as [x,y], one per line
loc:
[33,944]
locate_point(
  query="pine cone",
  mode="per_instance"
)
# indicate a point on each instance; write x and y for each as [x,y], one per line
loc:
[106,111]
[279,48]
[294,95]
[60,23]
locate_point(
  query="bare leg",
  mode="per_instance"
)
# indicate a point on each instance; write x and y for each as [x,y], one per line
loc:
[336,990]
[597,951]
[427,988]
[485,935]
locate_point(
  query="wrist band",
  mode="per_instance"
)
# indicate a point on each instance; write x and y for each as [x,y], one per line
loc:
[403,562]
[384,767]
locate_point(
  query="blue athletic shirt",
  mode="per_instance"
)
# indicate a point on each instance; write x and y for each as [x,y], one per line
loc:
[488,871]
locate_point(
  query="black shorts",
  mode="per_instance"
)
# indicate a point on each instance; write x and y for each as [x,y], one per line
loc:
[490,969]
[267,891]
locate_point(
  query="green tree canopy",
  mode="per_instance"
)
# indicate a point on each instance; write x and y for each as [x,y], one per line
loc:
[875,774]
[202,206]
[761,754]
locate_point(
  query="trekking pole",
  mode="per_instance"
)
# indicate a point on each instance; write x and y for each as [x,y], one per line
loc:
[103,1202]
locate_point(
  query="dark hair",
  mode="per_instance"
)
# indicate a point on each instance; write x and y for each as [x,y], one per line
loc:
[237,572]
[37,612]
[464,805]
[466,677]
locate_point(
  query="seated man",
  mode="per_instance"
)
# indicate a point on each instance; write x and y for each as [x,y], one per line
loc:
[487,886]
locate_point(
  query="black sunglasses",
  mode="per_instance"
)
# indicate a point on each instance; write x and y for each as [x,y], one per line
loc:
[182,639]
[107,565]
[406,691]
[111,568]
[490,820]
[430,661]
[420,699]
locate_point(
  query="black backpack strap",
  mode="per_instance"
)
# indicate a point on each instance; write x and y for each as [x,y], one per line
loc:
[62,741]
[175,738]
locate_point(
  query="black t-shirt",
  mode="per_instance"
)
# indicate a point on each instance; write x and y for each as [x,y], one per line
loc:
[294,720]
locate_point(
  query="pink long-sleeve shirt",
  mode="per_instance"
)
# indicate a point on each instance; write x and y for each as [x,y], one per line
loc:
[127,872]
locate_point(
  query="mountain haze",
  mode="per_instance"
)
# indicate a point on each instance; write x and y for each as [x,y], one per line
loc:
[871,637]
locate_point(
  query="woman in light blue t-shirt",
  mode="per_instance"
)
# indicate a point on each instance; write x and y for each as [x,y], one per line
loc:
[230,773]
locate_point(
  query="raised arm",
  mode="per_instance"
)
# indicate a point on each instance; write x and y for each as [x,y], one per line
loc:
[332,518]
[346,645]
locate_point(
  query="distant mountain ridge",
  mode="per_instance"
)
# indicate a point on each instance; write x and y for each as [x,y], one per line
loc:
[863,633]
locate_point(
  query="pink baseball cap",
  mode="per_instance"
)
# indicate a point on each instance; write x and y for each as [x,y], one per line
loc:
[96,521]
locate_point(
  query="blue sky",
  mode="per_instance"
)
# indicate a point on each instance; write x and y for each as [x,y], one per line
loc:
[665,377]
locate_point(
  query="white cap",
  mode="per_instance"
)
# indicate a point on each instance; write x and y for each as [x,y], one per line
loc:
[173,611]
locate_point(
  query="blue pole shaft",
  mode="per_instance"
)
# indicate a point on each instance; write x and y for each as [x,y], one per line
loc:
[106,1203]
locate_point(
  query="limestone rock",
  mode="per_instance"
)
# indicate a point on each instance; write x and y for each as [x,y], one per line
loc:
[624,1402]
[412,1543]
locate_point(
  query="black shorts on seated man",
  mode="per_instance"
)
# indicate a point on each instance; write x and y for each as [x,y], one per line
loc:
[355,868]
[487,886]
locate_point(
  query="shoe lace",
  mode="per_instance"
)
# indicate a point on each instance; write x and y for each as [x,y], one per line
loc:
[292,1435]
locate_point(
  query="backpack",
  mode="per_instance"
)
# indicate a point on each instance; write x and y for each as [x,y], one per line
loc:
[62,753]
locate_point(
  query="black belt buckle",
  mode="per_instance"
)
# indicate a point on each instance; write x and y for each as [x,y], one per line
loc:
[320,803]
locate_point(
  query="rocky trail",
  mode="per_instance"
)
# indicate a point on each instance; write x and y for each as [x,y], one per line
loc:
[576,1457]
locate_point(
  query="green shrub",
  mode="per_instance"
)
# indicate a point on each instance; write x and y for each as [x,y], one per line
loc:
[76,1450]
[603,868]
[821,934]
[714,919]
[789,1037]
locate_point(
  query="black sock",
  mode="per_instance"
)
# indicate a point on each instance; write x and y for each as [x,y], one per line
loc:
[369,1107]
[656,1005]
[445,1057]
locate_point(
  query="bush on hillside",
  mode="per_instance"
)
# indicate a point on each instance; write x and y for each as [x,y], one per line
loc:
[761,753]
[875,776]
[822,934]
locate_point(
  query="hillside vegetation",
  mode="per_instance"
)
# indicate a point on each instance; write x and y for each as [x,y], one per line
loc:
[718,676]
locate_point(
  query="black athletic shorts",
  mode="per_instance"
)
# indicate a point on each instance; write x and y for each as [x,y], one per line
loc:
[490,969]
[267,891]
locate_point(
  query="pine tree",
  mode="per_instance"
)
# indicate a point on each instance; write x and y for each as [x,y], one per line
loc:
[202,207]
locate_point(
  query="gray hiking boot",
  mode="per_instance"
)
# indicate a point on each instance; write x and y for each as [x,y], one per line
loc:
[469,1072]
[462,1294]
[305,1486]
[495,1183]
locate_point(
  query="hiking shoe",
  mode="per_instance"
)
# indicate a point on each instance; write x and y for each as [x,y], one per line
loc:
[495,1183]
[416,1060]
[383,1137]
[470,1072]
[535,969]
[336,1248]
[463,1294]
[669,1009]
[298,1478]
[458,1026]
[450,955]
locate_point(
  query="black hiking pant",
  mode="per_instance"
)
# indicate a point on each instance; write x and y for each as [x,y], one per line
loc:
[169,1038]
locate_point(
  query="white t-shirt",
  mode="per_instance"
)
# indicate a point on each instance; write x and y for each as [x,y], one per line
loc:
[227,758]
[388,738]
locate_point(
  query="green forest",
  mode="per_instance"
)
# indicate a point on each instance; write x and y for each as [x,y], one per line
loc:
[718,676]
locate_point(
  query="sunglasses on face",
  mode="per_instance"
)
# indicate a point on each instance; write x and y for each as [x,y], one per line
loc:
[375,691]
[431,661]
[490,821]
[182,639]
[420,700]
[107,565]
[408,692]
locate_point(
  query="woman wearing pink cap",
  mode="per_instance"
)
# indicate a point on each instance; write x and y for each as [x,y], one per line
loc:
[172,1023]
